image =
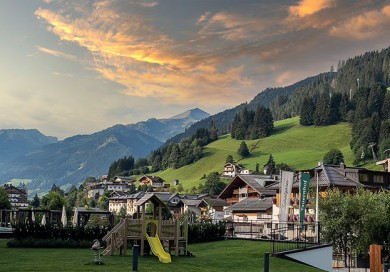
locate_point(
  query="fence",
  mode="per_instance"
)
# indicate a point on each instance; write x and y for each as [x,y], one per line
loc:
[283,236]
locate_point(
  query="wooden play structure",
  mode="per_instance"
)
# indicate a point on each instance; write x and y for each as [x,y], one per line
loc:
[159,234]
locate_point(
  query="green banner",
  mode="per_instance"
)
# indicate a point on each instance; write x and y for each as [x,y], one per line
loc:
[303,190]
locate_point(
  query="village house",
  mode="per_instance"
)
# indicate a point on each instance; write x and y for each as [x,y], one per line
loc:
[234,169]
[17,196]
[248,186]
[97,189]
[127,202]
[252,209]
[213,208]
[154,181]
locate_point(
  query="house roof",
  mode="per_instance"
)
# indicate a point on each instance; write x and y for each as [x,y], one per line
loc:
[260,183]
[337,176]
[164,196]
[252,204]
[152,178]
[192,202]
[215,202]
[138,195]
[149,197]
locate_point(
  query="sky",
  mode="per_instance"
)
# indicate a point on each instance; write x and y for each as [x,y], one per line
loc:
[78,67]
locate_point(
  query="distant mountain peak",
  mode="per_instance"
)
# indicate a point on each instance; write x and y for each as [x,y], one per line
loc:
[196,114]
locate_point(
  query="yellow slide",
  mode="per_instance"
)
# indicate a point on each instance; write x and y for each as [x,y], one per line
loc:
[158,250]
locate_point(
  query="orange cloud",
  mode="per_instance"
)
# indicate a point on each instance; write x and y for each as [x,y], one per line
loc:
[57,53]
[135,55]
[230,26]
[364,26]
[309,7]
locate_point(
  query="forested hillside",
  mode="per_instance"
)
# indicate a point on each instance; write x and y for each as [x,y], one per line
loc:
[298,146]
[355,93]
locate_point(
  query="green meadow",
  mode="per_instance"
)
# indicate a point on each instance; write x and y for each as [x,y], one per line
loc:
[298,146]
[227,255]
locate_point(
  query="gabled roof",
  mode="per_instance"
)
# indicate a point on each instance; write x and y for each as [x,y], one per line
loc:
[164,196]
[192,202]
[152,178]
[260,183]
[215,202]
[150,197]
[251,204]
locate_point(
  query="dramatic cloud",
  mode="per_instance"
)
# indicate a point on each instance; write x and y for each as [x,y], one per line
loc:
[364,26]
[134,54]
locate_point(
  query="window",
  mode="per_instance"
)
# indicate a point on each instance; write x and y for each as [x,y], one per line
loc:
[363,177]
[378,179]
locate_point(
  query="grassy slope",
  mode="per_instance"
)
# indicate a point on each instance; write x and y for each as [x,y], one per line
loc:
[299,146]
[228,255]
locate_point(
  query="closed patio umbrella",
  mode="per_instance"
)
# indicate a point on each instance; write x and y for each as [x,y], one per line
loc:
[43,222]
[64,220]
[32,216]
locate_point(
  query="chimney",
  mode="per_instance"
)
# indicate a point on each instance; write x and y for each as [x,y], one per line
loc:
[342,165]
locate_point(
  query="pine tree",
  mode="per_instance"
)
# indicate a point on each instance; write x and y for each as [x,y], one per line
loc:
[243,150]
[271,165]
[229,159]
[36,202]
[307,112]
[322,114]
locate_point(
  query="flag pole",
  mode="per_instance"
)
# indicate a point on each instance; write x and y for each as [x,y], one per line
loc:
[317,210]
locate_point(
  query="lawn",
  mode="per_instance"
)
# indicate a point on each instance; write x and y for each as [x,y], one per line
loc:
[228,255]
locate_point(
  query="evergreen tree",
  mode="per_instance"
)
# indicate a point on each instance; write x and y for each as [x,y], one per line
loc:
[322,115]
[213,132]
[386,107]
[4,200]
[36,202]
[344,107]
[271,165]
[307,112]
[243,150]
[335,103]
[229,159]
[376,98]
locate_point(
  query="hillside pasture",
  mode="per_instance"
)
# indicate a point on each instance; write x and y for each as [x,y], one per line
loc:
[298,146]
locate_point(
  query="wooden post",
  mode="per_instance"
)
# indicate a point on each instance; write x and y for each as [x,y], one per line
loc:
[143,230]
[177,238]
[125,228]
[375,258]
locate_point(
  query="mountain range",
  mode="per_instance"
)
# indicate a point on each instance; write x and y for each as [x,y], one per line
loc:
[28,154]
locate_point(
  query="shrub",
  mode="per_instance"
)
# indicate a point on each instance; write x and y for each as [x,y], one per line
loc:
[206,231]
[36,235]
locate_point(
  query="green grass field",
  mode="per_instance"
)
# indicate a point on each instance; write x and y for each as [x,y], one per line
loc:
[299,146]
[228,255]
